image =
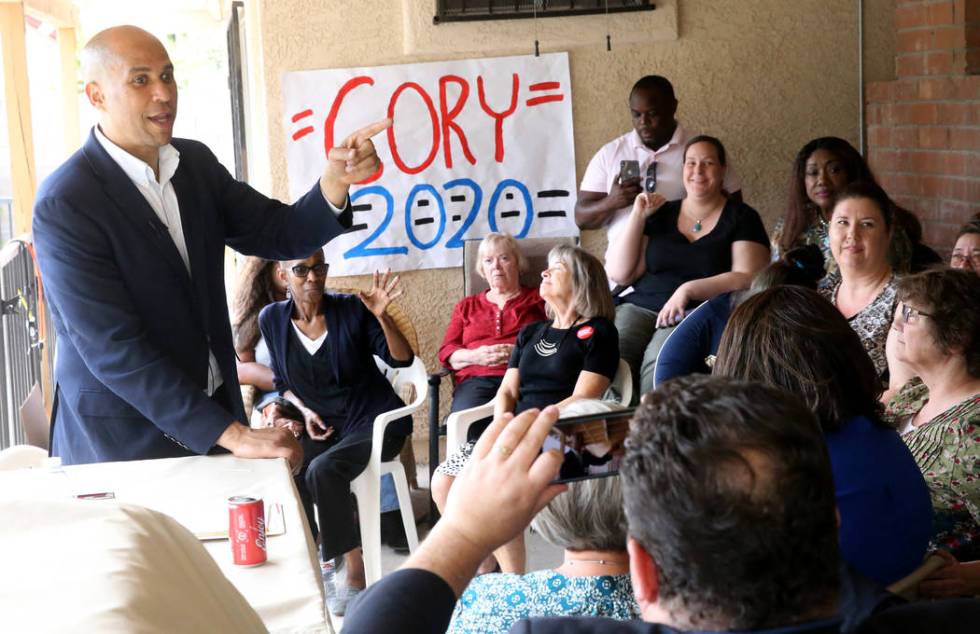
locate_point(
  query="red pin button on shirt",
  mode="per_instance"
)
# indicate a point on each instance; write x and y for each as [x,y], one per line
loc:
[585,332]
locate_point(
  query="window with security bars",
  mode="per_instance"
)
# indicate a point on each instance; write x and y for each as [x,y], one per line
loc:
[463,10]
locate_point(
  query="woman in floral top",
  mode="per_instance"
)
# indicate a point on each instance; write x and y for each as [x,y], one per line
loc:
[860,229]
[589,523]
[938,414]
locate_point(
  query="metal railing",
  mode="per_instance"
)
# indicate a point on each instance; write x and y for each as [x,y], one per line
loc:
[20,338]
[6,219]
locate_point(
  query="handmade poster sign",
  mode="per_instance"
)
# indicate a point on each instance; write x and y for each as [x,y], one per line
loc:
[476,146]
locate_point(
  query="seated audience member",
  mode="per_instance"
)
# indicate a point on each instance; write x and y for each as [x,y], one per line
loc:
[587,522]
[679,253]
[966,251]
[864,293]
[937,328]
[822,168]
[656,143]
[899,372]
[321,346]
[481,333]
[572,355]
[730,505]
[692,346]
[791,338]
[258,286]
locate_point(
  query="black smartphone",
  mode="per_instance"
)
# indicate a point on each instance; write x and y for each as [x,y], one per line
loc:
[629,170]
[593,445]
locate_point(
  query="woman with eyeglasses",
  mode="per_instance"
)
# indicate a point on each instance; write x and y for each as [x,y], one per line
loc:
[321,347]
[937,333]
[966,251]
[860,232]
[680,253]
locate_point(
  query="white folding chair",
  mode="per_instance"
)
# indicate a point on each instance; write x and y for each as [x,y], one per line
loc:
[458,423]
[367,486]
[22,457]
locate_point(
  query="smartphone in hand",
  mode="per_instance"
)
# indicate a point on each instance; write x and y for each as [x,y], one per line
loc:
[593,445]
[629,170]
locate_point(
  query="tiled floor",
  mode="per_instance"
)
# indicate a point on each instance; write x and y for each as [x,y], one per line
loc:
[540,554]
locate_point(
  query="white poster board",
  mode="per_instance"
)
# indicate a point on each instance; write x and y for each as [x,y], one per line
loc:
[477,145]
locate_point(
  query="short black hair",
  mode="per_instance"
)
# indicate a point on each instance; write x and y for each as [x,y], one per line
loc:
[655,84]
[972,226]
[727,485]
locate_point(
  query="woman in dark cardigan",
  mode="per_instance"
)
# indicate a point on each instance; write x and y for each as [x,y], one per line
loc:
[321,346]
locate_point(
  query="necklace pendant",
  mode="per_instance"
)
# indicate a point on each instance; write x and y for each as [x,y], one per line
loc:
[697,226]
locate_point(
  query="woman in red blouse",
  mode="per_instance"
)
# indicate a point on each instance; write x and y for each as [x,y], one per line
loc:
[484,326]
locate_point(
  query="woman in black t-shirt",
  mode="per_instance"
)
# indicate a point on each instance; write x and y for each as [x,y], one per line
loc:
[572,355]
[677,254]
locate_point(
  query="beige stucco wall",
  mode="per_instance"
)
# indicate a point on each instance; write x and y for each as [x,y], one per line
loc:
[763,75]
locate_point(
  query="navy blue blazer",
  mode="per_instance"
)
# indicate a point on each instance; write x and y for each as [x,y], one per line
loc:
[133,328]
[354,335]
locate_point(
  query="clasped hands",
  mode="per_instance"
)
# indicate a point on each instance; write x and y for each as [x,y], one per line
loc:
[272,416]
[494,354]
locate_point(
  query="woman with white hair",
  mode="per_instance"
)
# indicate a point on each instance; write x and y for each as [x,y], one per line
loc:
[484,326]
[589,524]
[572,355]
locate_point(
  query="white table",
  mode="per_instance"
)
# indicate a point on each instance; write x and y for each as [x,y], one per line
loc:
[286,591]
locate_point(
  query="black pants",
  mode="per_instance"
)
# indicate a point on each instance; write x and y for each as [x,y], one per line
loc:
[329,466]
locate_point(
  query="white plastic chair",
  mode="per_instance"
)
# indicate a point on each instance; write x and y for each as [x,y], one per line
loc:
[367,486]
[458,423]
[22,457]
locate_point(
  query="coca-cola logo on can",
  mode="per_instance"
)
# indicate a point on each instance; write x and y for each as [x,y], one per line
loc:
[246,530]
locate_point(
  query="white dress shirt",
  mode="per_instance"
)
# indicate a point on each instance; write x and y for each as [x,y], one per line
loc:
[162,198]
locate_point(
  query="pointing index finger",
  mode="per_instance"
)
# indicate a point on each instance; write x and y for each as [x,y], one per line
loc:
[368,131]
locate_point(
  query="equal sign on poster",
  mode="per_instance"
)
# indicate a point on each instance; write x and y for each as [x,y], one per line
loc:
[477,146]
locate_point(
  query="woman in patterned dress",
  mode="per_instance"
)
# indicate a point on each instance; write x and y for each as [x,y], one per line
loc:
[860,231]
[589,523]
[937,328]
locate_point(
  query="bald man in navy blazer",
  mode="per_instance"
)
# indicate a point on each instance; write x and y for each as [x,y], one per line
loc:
[130,234]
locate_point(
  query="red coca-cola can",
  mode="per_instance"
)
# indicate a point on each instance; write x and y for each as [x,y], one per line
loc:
[246,530]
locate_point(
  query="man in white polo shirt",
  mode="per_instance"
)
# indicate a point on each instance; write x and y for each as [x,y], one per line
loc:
[656,143]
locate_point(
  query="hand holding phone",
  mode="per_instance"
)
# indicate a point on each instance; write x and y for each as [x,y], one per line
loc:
[626,186]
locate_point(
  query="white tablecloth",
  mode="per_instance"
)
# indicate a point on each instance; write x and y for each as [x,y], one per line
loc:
[285,592]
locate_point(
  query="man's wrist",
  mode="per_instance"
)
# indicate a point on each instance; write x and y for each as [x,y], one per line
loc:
[457,568]
[231,437]
[334,192]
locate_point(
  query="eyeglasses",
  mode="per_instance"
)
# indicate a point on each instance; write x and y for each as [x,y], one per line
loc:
[959,259]
[301,270]
[650,184]
[911,315]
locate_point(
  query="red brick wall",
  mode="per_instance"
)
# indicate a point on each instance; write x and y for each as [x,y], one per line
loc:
[923,129]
